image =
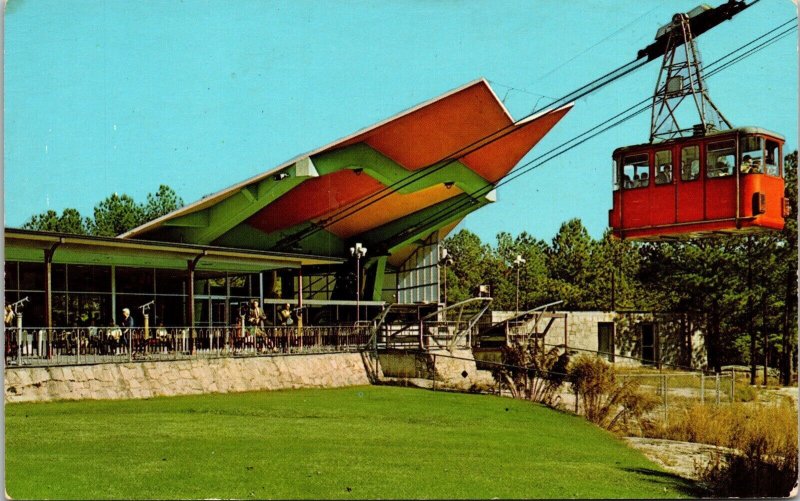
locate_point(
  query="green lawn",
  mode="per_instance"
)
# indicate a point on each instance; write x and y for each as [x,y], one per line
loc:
[364,442]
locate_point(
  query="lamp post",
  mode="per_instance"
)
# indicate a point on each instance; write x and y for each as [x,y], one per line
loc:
[518,262]
[444,259]
[358,252]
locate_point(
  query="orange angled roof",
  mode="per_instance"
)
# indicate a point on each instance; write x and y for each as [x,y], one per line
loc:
[468,127]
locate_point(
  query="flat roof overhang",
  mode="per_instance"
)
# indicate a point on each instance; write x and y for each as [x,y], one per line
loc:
[27,245]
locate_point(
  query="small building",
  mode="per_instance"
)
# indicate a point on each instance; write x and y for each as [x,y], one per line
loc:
[670,340]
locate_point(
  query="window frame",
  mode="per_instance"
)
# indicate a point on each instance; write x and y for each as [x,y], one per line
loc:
[698,159]
[779,158]
[633,157]
[670,163]
[743,151]
[732,166]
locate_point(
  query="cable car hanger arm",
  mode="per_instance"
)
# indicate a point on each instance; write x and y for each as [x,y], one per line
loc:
[699,24]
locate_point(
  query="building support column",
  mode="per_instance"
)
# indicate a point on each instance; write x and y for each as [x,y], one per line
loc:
[48,293]
[377,270]
[300,306]
[192,265]
[261,288]
[226,317]
[114,294]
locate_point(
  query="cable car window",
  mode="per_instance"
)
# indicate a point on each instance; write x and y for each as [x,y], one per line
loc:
[690,163]
[636,171]
[752,155]
[615,174]
[664,167]
[773,158]
[720,158]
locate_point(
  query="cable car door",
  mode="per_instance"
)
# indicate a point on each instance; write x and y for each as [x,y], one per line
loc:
[720,184]
[635,193]
[690,199]
[662,199]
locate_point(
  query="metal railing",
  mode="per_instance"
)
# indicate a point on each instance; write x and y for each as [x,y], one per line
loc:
[434,335]
[34,346]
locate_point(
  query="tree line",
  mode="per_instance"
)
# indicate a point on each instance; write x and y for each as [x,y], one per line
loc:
[744,287]
[112,216]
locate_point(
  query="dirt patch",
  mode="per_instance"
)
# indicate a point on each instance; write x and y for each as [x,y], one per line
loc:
[684,459]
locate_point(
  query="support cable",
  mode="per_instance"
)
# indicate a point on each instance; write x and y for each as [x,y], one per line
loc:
[386,191]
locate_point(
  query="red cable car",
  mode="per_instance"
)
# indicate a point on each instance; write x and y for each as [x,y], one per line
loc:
[721,182]
[701,181]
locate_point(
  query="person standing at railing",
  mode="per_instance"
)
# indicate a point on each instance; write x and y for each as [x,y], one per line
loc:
[94,341]
[113,336]
[285,320]
[127,327]
[162,338]
[9,316]
[255,320]
[285,315]
[10,338]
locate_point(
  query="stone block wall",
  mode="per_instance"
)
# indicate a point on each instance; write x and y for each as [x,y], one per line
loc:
[184,377]
[456,369]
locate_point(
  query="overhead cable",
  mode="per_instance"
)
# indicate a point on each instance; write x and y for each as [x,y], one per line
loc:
[594,85]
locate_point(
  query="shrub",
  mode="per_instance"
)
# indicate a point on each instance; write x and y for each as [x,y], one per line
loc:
[745,393]
[532,374]
[610,403]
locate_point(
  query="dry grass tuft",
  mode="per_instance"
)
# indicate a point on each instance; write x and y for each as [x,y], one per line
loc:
[764,438]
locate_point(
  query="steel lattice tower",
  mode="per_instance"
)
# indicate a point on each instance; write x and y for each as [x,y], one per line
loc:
[681,76]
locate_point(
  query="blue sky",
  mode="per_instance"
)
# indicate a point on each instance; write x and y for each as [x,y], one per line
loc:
[106,96]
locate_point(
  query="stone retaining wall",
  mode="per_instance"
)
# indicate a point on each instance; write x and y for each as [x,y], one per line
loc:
[184,377]
[456,369]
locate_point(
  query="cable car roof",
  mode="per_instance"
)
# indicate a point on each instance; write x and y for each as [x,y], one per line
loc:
[716,133]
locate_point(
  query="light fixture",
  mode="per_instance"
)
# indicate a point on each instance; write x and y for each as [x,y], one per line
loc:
[358,171]
[281,175]
[358,251]
[445,258]
[449,184]
[519,261]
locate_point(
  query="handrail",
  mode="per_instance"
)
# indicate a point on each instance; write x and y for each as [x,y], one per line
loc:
[41,346]
[460,304]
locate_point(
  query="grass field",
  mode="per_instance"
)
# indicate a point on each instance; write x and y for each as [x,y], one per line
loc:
[364,442]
